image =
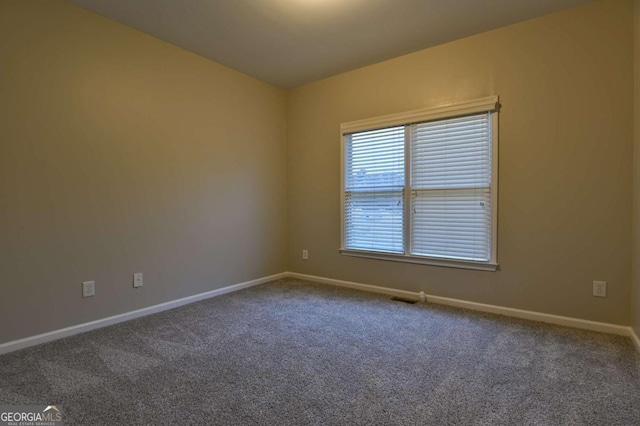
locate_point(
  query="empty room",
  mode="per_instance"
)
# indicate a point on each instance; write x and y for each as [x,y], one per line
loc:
[320,212]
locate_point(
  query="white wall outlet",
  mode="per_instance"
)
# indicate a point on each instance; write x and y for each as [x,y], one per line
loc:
[137,280]
[305,254]
[600,288]
[88,289]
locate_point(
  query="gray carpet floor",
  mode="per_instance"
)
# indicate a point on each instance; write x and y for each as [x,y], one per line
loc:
[298,353]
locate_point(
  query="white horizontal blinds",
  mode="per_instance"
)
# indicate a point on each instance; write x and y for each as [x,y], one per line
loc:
[374,190]
[451,188]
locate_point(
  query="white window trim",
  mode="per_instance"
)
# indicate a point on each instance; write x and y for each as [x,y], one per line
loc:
[488,104]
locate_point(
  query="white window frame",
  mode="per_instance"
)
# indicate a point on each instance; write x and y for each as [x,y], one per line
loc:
[488,104]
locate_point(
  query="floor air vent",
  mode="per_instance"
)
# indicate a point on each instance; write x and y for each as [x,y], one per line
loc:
[402,299]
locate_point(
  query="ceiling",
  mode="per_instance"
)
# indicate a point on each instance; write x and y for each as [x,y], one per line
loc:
[292,42]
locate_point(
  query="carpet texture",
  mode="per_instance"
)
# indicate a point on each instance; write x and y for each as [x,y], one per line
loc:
[297,353]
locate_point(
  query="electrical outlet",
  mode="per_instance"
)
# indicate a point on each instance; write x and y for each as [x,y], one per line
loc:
[88,289]
[305,254]
[600,288]
[137,280]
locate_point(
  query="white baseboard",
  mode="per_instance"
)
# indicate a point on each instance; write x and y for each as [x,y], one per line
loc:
[81,328]
[534,316]
[357,286]
[501,310]
[635,338]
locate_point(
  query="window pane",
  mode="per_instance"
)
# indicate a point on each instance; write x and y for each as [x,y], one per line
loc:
[375,221]
[451,153]
[374,188]
[451,188]
[375,159]
[452,224]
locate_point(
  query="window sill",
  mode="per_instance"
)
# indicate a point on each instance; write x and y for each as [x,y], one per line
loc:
[447,263]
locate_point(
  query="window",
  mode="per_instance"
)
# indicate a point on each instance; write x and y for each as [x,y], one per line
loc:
[421,186]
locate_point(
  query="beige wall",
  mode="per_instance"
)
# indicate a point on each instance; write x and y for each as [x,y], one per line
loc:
[565,199]
[636,175]
[120,153]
